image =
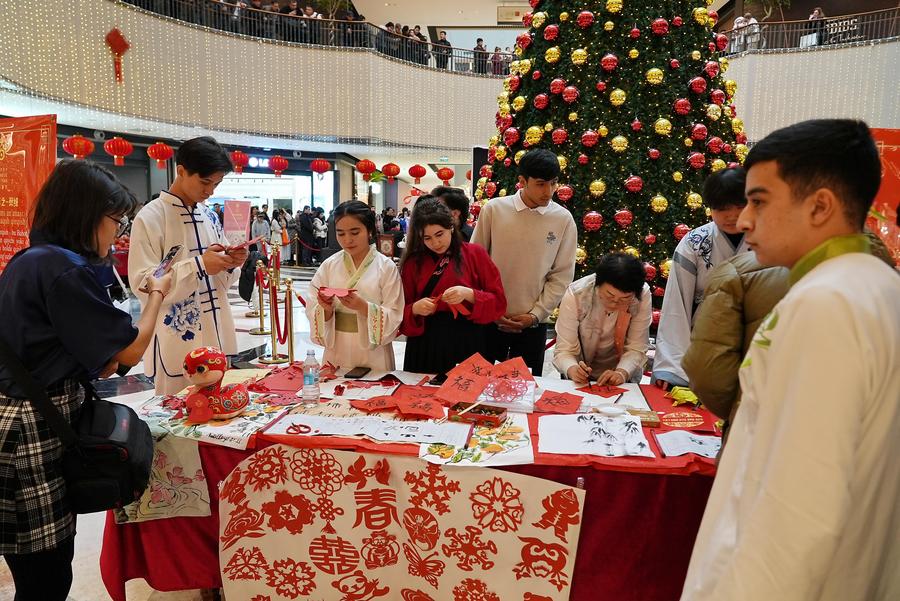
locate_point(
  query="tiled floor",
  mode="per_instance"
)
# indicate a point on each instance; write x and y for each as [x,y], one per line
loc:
[135,388]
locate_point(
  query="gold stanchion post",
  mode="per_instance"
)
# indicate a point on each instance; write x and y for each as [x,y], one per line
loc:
[289,318]
[273,357]
[261,330]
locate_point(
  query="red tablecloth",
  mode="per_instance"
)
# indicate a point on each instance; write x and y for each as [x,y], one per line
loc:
[640,519]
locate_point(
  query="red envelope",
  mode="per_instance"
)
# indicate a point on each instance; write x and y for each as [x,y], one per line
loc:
[604,391]
[377,403]
[422,407]
[514,369]
[338,292]
[558,402]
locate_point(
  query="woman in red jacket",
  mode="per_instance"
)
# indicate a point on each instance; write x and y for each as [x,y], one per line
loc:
[452,291]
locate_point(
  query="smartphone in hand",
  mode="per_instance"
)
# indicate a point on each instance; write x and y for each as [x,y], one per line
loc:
[164,265]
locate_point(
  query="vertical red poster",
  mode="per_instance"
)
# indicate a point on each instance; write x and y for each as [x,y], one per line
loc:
[237,221]
[883,217]
[27,156]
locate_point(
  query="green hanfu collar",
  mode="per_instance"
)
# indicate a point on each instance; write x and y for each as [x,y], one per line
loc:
[831,248]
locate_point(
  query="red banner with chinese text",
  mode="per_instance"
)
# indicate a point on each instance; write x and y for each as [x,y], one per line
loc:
[27,156]
[883,217]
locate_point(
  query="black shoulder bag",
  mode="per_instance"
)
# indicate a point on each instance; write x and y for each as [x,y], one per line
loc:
[107,453]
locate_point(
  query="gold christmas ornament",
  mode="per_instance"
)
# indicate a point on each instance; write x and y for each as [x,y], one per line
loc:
[603,131]
[665,268]
[504,109]
[728,112]
[677,176]
[573,116]
[714,111]
[518,156]
[708,211]
[737,126]
[479,194]
[654,76]
[619,143]
[579,56]
[580,255]
[494,140]
[552,55]
[597,188]
[533,135]
[701,16]
[514,67]
[730,87]
[633,53]
[517,51]
[741,151]
[518,103]
[723,64]
[502,97]
[695,55]
[548,127]
[662,126]
[688,142]
[563,16]
[717,165]
[563,161]
[537,19]
[506,84]
[659,204]
[482,181]
[614,6]
[500,152]
[694,200]
[609,26]
[617,97]
[631,251]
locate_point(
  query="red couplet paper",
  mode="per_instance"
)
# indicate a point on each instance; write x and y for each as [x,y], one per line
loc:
[604,391]
[378,403]
[466,381]
[338,292]
[558,402]
[421,407]
[512,369]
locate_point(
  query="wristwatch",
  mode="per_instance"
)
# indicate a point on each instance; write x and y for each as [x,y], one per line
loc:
[535,322]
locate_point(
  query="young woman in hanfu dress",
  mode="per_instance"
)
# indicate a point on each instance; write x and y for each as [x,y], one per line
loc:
[356,329]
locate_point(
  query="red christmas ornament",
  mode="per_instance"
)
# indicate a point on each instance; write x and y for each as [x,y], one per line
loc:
[541,101]
[653,153]
[697,85]
[601,86]
[391,170]
[635,33]
[162,152]
[118,148]
[650,239]
[506,163]
[733,165]
[523,41]
[321,166]
[655,315]
[590,138]
[659,291]
[721,42]
[490,189]
[592,221]
[504,122]
[698,131]
[445,174]
[717,96]
[418,172]
[485,171]
[609,62]
[534,3]
[715,145]
[511,136]
[584,19]
[696,160]
[660,26]
[570,94]
[559,136]
[636,125]
[714,16]
[366,167]
[677,21]
[740,138]
[278,164]
[551,32]
[681,230]
[634,183]
[565,193]
[526,19]
[475,209]
[682,106]
[712,47]
[726,148]
[514,82]
[78,146]
[649,272]
[557,85]
[536,75]
[583,159]
[711,68]
[674,64]
[624,217]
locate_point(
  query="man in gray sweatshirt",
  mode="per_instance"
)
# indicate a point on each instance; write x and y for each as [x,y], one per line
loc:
[532,241]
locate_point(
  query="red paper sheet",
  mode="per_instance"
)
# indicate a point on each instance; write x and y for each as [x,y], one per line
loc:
[512,369]
[466,381]
[378,403]
[558,402]
[282,380]
[604,391]
[421,407]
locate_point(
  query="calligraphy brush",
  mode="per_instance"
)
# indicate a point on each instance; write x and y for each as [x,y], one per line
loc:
[583,360]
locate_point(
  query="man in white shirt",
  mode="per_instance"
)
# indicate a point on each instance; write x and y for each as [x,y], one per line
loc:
[806,501]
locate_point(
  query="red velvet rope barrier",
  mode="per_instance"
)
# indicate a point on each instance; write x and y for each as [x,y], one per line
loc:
[282,334]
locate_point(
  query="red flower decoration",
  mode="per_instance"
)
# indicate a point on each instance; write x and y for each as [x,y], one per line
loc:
[243,522]
[288,511]
[290,578]
[246,564]
[471,589]
[267,468]
[497,506]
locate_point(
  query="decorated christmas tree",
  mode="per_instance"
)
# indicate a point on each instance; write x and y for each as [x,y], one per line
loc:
[630,94]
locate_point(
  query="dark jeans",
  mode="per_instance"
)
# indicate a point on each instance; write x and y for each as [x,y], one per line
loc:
[529,345]
[43,576]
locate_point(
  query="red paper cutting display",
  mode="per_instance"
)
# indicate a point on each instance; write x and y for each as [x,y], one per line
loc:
[558,402]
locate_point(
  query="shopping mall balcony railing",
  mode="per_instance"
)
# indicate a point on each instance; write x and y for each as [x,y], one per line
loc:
[828,31]
[242,18]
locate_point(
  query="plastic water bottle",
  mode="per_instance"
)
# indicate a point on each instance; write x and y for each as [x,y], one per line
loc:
[310,392]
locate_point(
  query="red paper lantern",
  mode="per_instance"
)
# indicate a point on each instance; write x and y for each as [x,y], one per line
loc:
[584,19]
[592,221]
[559,136]
[698,131]
[634,183]
[570,94]
[511,136]
[469,175]
[391,170]
[160,152]
[541,101]
[649,272]
[320,166]
[660,26]
[715,144]
[118,148]
[682,106]
[278,164]
[367,168]
[565,193]
[523,41]
[696,160]
[418,172]
[650,239]
[697,85]
[557,85]
[624,217]
[681,230]
[551,32]
[717,96]
[609,62]
[711,68]
[445,174]
[78,146]
[590,138]
[240,160]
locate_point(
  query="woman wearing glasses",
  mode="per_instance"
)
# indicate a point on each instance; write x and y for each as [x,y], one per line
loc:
[604,324]
[62,326]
